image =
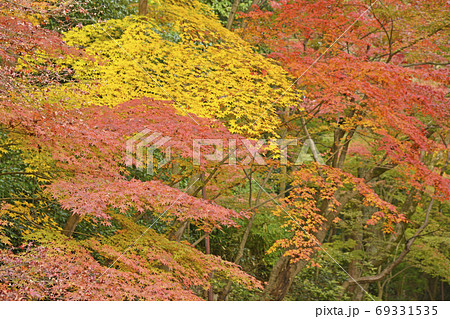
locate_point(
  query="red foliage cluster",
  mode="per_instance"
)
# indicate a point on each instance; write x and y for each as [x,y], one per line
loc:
[66,270]
[89,147]
[20,38]
[379,67]
[68,274]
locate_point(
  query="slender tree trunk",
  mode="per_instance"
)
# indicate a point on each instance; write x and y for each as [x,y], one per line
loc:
[207,242]
[233,13]
[380,287]
[71,224]
[284,271]
[227,289]
[178,228]
[357,294]
[143,7]
[386,271]
[283,174]
[281,278]
[208,251]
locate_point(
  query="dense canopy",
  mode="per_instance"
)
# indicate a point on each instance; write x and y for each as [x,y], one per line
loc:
[224,150]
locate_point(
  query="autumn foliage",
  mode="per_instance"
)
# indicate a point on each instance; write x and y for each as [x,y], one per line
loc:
[375,78]
[365,82]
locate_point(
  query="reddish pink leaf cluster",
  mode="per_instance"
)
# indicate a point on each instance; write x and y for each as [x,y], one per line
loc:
[97,196]
[89,146]
[67,271]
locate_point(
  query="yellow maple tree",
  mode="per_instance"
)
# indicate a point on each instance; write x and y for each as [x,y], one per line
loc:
[180,52]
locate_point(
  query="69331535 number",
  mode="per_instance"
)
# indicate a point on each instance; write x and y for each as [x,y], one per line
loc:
[406,310]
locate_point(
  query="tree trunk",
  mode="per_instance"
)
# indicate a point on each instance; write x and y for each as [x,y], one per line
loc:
[71,224]
[178,228]
[232,13]
[284,271]
[227,289]
[386,271]
[254,2]
[355,291]
[143,7]
[224,294]
[283,180]
[208,251]
[281,278]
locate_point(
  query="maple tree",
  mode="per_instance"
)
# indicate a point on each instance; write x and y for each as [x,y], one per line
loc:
[374,76]
[77,155]
[155,269]
[180,53]
[367,82]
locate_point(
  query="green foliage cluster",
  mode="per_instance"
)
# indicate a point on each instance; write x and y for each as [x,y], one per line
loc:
[223,8]
[87,12]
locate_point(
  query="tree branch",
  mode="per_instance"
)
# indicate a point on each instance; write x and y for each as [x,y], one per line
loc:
[424,63]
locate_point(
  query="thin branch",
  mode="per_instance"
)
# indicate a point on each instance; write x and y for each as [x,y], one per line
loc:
[424,63]
[409,242]
[22,173]
[210,176]
[399,259]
